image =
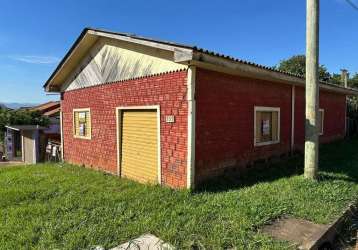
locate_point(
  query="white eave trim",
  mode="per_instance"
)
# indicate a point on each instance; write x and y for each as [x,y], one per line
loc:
[140,41]
[181,54]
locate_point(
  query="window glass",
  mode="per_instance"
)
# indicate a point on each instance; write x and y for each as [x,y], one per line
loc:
[82,124]
[267,126]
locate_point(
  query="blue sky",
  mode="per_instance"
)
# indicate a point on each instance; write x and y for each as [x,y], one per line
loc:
[36,34]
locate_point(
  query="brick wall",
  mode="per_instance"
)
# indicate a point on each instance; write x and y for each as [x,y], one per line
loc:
[334,106]
[168,90]
[225,120]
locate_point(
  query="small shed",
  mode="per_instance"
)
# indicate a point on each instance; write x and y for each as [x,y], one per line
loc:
[29,146]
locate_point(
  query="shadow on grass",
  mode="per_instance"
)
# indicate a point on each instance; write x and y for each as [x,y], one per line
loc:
[338,161]
[254,175]
[340,158]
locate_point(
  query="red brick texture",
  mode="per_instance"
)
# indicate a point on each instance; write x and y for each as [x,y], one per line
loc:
[334,106]
[225,120]
[167,90]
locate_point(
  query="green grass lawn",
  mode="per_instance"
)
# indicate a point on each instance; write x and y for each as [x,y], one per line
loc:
[67,207]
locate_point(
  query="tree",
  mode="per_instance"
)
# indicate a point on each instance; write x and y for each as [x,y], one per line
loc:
[20,117]
[353,81]
[352,101]
[297,65]
[336,79]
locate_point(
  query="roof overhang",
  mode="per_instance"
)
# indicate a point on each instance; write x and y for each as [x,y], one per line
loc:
[88,39]
[25,127]
[244,69]
[183,54]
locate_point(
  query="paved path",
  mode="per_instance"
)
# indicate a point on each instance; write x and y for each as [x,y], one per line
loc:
[10,163]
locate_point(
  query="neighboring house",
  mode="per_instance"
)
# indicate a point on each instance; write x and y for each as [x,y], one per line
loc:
[23,143]
[52,111]
[52,106]
[177,115]
[28,142]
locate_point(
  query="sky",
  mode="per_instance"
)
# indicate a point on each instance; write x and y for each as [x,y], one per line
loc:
[35,35]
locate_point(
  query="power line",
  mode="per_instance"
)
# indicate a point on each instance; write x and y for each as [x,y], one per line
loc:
[352,4]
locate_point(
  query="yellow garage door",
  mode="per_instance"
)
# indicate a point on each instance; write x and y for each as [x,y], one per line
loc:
[140,145]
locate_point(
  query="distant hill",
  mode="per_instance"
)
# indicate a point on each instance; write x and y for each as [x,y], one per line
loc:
[17,105]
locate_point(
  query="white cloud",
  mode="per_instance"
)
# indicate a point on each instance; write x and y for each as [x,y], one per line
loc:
[36,59]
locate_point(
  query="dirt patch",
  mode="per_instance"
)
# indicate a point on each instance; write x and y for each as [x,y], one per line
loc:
[297,231]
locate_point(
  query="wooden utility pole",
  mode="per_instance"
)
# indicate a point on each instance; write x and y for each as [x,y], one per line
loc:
[312,90]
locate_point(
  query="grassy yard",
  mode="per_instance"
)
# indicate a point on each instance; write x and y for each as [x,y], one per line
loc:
[67,207]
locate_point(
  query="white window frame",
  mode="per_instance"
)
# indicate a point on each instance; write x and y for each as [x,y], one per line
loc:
[88,137]
[268,109]
[322,122]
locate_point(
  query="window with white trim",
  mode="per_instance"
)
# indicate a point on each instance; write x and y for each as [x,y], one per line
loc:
[321,121]
[82,123]
[267,126]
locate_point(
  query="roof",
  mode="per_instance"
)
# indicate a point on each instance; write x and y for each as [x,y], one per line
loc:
[25,127]
[199,55]
[45,106]
[52,112]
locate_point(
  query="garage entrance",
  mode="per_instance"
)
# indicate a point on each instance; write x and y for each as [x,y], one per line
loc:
[138,140]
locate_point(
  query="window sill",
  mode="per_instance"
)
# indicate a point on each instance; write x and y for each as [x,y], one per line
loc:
[259,144]
[82,137]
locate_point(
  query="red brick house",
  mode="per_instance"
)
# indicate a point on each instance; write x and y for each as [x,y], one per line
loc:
[173,114]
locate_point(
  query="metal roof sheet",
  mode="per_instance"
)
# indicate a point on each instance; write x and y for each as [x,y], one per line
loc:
[52,112]
[194,48]
[25,127]
[47,105]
